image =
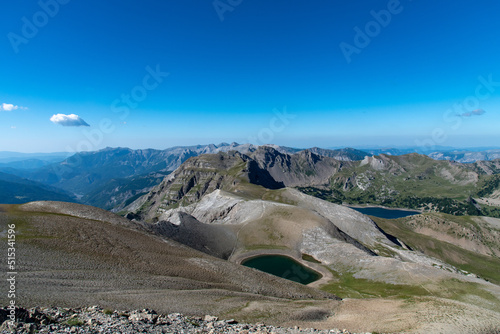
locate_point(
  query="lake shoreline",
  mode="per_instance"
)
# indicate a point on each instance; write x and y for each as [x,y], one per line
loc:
[365,206]
[326,275]
[380,211]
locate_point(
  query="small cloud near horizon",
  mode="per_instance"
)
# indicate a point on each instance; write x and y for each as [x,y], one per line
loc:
[476,112]
[68,120]
[10,107]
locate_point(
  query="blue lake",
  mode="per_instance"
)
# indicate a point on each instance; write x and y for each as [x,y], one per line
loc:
[283,266]
[385,213]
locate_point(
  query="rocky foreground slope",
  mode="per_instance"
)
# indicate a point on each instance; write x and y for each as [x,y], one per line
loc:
[98,320]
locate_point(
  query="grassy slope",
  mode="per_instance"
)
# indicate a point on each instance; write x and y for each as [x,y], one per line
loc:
[348,286]
[420,177]
[487,267]
[412,181]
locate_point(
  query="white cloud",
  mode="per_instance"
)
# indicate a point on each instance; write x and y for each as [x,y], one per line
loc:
[477,112]
[68,120]
[13,127]
[10,107]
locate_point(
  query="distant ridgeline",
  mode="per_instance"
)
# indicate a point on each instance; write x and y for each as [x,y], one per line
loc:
[114,178]
[416,182]
[437,204]
[410,181]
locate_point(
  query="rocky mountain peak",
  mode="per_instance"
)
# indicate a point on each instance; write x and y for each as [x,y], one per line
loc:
[309,156]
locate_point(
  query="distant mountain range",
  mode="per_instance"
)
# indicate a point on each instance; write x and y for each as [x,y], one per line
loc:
[8,156]
[26,164]
[466,156]
[112,177]
[445,153]
[29,160]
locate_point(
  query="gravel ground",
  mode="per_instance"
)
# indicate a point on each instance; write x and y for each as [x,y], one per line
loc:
[97,320]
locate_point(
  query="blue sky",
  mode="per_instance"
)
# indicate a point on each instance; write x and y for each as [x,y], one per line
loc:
[289,72]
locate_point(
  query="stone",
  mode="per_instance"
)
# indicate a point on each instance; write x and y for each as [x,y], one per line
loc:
[144,316]
[210,318]
[6,325]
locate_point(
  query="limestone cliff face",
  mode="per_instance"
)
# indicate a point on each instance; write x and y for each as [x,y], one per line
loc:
[192,180]
[303,168]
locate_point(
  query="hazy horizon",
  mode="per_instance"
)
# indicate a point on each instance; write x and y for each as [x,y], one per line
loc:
[361,148]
